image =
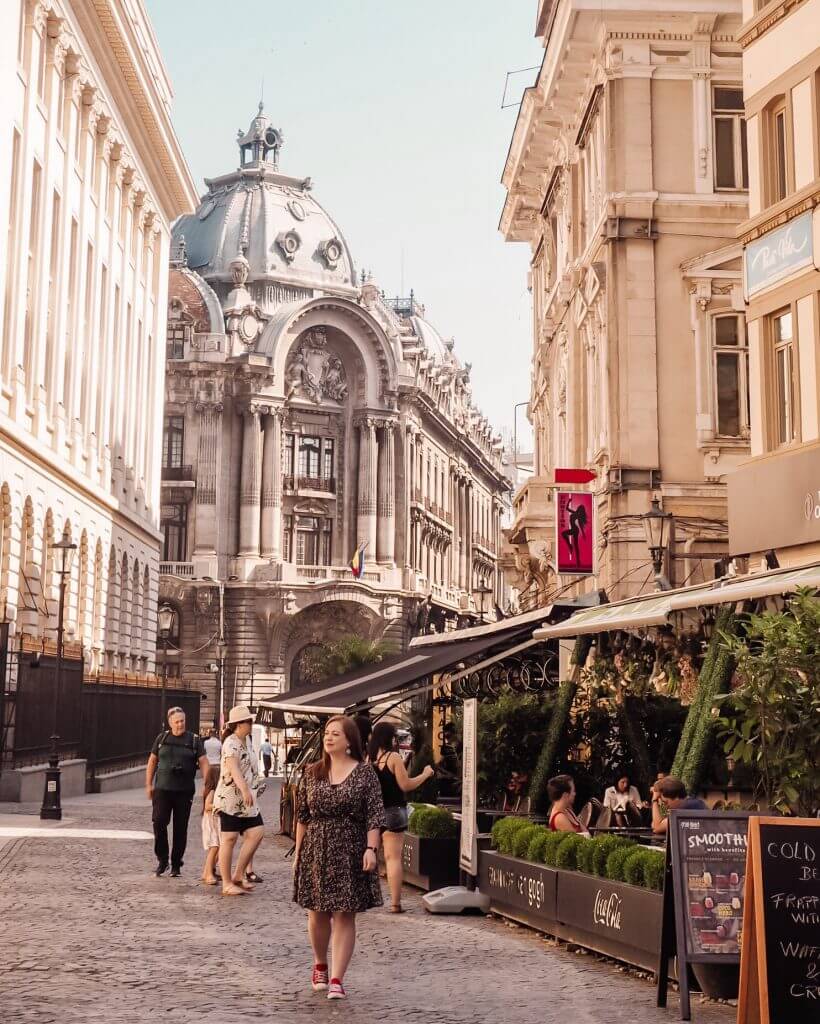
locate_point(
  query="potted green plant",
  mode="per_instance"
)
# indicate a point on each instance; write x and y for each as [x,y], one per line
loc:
[430,852]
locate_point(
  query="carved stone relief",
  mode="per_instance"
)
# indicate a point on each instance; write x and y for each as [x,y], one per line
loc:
[315,372]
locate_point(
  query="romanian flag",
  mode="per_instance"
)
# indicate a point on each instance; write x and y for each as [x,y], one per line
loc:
[357,561]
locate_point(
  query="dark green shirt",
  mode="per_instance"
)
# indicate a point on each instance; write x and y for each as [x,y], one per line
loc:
[178,758]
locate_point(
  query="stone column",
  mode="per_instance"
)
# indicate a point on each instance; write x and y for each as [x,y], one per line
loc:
[386,505]
[250,486]
[272,486]
[366,504]
[207,468]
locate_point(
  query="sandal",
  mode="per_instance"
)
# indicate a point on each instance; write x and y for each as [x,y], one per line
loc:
[397,908]
[234,890]
[252,876]
[210,881]
[243,885]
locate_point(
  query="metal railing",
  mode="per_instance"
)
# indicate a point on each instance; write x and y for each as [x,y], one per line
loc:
[176,569]
[326,484]
[177,472]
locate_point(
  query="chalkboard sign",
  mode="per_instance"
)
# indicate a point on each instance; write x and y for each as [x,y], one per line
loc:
[780,961]
[703,894]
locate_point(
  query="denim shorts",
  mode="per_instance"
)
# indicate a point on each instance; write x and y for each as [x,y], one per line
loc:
[395,819]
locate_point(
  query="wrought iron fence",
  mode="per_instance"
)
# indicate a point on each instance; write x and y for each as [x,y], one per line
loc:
[109,719]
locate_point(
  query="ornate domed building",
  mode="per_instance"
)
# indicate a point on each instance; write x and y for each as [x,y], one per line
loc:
[307,418]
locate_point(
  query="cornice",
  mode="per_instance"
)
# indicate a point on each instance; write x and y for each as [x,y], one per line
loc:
[785,211]
[176,178]
[766,19]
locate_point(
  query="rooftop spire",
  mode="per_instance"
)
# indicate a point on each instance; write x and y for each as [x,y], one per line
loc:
[261,142]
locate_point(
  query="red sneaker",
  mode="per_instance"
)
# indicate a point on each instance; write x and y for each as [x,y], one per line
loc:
[336,990]
[319,980]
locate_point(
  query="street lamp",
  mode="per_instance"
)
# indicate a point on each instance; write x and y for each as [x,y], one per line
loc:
[658,524]
[51,808]
[165,623]
[222,650]
[481,592]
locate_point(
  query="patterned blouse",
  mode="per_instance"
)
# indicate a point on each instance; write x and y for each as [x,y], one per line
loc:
[227,797]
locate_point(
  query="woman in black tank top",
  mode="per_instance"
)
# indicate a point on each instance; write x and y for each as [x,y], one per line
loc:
[396,784]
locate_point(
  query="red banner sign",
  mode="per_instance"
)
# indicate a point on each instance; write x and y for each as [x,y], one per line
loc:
[575,533]
[574,476]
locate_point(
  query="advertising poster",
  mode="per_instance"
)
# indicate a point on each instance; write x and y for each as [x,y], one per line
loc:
[469,788]
[575,533]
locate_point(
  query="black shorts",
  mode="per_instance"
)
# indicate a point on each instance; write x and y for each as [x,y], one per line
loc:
[395,819]
[233,823]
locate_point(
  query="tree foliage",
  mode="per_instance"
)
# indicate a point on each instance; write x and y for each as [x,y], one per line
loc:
[345,655]
[771,720]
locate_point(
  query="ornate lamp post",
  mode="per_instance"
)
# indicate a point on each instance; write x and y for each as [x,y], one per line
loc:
[51,808]
[165,623]
[658,524]
[480,592]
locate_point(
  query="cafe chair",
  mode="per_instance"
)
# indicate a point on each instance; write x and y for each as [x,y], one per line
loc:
[604,819]
[633,816]
[590,813]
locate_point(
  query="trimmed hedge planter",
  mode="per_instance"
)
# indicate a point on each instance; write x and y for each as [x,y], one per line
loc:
[619,920]
[430,851]
[603,893]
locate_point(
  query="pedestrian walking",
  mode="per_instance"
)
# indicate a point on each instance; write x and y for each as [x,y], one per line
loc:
[170,781]
[213,747]
[210,826]
[235,802]
[339,816]
[395,785]
[266,750]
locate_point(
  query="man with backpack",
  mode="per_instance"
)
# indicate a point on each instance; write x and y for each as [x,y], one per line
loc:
[170,781]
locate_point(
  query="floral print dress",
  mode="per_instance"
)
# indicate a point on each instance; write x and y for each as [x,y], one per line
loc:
[329,875]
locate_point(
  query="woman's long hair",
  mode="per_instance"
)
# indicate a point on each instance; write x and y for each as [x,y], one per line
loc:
[383,740]
[321,769]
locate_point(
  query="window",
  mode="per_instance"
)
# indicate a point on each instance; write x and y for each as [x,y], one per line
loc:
[287,455]
[173,442]
[33,261]
[53,284]
[779,155]
[313,456]
[731,161]
[313,540]
[287,537]
[731,362]
[177,336]
[11,252]
[175,533]
[309,448]
[784,372]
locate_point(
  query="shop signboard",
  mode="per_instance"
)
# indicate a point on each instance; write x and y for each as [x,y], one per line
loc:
[574,533]
[703,915]
[468,854]
[778,254]
[780,958]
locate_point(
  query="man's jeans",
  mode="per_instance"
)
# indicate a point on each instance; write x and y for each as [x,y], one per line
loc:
[168,802]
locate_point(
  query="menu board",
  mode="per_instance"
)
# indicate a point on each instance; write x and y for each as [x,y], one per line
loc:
[780,962]
[709,864]
[703,895]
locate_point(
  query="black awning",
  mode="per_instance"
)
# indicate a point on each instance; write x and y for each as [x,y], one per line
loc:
[394,675]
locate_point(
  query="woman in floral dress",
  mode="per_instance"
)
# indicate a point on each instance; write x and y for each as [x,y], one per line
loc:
[340,816]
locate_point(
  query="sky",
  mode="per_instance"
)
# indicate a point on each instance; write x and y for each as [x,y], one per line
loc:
[394,110]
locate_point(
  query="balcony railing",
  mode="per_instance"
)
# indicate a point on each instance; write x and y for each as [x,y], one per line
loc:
[310,483]
[176,569]
[177,472]
[332,572]
[484,542]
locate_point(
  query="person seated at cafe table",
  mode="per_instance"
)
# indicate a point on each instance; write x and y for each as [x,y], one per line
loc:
[671,792]
[561,791]
[620,797]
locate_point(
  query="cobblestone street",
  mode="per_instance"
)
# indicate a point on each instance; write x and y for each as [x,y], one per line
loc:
[90,935]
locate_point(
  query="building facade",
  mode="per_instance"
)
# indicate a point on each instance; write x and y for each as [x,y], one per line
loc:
[626,177]
[308,418]
[91,177]
[781,239]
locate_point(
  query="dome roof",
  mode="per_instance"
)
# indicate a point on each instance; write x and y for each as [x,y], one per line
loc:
[269,218]
[439,350]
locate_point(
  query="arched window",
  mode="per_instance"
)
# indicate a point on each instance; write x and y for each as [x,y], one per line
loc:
[125,607]
[98,608]
[112,611]
[136,625]
[82,591]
